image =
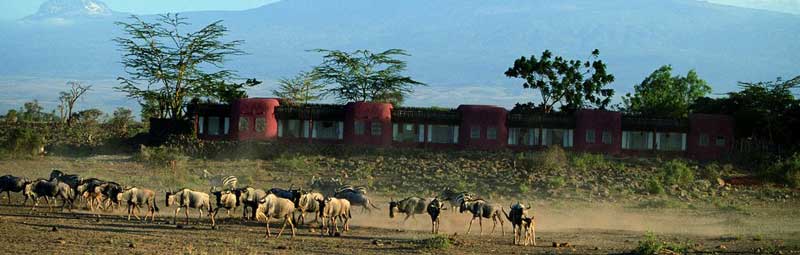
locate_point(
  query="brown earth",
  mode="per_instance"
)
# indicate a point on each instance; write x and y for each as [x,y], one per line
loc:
[588,227]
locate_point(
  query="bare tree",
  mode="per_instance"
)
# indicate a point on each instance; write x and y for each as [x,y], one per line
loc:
[68,99]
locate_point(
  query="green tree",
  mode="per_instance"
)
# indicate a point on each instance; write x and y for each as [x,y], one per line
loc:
[302,88]
[574,84]
[120,121]
[664,95]
[365,76]
[32,111]
[68,99]
[223,91]
[11,116]
[166,67]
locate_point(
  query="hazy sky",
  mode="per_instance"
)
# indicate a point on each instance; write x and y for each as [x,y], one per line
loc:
[16,9]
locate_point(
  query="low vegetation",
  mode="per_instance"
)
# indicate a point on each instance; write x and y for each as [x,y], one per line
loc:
[652,245]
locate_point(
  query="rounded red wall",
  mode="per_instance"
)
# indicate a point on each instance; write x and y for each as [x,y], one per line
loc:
[252,109]
[368,113]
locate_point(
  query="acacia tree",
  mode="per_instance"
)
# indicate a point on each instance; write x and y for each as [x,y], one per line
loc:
[573,84]
[166,66]
[68,98]
[302,88]
[664,95]
[365,76]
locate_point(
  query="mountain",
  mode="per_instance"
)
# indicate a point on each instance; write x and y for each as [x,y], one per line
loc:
[62,12]
[459,47]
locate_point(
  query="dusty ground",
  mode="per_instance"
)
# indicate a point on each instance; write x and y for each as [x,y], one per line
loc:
[589,228]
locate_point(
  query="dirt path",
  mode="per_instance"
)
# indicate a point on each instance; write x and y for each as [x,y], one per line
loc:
[82,233]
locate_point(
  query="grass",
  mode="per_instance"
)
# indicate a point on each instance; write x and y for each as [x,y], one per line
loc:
[438,242]
[652,245]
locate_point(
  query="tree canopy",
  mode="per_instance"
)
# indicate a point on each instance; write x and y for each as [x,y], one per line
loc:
[663,95]
[166,66]
[302,88]
[362,75]
[574,84]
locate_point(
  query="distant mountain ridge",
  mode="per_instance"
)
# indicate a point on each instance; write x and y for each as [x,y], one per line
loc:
[70,11]
[459,47]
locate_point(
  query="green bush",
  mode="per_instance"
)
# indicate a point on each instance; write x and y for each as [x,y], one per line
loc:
[654,186]
[556,182]
[25,141]
[787,171]
[160,156]
[677,172]
[436,242]
[589,161]
[711,172]
[652,245]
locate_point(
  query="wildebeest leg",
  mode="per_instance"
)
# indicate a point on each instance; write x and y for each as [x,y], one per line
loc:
[186,212]
[268,233]
[8,196]
[346,224]
[201,215]
[286,219]
[175,216]
[335,225]
[322,229]
[480,224]
[35,203]
[130,210]
[470,224]
[407,216]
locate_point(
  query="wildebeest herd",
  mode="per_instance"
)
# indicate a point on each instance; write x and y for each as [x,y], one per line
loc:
[330,200]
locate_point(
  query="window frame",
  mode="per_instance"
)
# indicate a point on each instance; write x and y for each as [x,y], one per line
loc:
[475,132]
[609,135]
[244,124]
[359,127]
[590,137]
[379,129]
[260,124]
[491,133]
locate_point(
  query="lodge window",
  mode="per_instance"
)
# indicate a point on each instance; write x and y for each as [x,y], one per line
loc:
[491,133]
[670,141]
[560,137]
[720,141]
[376,128]
[405,132]
[523,136]
[590,136]
[607,139]
[201,125]
[443,134]
[227,125]
[704,140]
[475,132]
[637,140]
[261,124]
[327,130]
[243,124]
[213,125]
[358,127]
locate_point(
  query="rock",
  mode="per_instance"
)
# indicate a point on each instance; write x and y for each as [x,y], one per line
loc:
[131,245]
[556,244]
[282,247]
[54,229]
[179,226]
[377,242]
[61,241]
[722,247]
[565,245]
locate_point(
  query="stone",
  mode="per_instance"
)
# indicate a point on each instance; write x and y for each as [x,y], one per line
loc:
[131,245]
[720,182]
[54,229]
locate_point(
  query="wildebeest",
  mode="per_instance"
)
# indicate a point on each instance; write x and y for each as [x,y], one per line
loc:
[434,209]
[356,198]
[91,190]
[186,198]
[516,214]
[529,225]
[291,194]
[273,206]
[112,192]
[456,198]
[73,180]
[326,186]
[410,206]
[308,203]
[249,198]
[9,183]
[225,199]
[331,209]
[481,209]
[136,197]
[50,189]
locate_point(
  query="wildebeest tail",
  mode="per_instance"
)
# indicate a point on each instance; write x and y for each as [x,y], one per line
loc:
[155,204]
[373,205]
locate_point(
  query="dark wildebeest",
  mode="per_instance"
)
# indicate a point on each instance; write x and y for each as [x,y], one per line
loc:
[410,206]
[481,209]
[249,198]
[9,183]
[516,214]
[356,198]
[50,189]
[434,209]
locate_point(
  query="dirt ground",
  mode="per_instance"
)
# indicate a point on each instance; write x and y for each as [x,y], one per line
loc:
[589,228]
[44,232]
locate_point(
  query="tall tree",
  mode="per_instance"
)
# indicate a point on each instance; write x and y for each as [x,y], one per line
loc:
[664,95]
[224,91]
[68,99]
[302,88]
[573,84]
[362,75]
[166,66]
[120,121]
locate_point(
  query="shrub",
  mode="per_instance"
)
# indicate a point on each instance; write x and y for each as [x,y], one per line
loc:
[652,245]
[654,186]
[589,161]
[160,156]
[711,172]
[785,171]
[554,158]
[25,141]
[677,172]
[436,242]
[556,182]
